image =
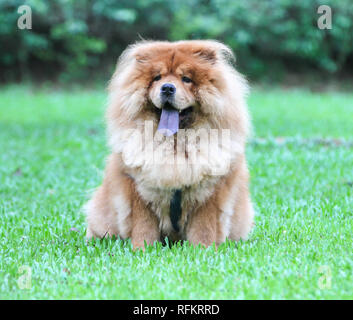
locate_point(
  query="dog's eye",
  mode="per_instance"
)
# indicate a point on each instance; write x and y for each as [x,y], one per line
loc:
[157,78]
[186,79]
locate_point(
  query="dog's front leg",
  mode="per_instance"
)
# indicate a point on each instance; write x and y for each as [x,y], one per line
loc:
[202,225]
[144,225]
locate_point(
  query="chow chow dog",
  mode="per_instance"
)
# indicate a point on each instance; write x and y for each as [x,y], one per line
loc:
[177,125]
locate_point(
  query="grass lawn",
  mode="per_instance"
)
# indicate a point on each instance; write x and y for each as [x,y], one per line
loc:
[301,161]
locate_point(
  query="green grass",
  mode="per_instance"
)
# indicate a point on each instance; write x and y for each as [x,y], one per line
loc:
[52,155]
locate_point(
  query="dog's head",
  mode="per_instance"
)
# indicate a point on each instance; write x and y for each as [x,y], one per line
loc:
[192,78]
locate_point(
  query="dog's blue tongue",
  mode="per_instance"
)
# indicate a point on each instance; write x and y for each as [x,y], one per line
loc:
[169,121]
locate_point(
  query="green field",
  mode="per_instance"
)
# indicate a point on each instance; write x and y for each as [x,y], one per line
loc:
[300,156]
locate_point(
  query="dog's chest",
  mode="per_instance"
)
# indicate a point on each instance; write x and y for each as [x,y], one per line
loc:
[166,203]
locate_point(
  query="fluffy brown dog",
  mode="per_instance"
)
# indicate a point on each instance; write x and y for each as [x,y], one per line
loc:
[177,126]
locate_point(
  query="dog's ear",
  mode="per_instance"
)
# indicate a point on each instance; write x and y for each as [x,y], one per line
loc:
[142,51]
[206,54]
[142,57]
[226,54]
[214,51]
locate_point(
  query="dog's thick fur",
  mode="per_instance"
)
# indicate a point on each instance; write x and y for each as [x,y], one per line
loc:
[134,198]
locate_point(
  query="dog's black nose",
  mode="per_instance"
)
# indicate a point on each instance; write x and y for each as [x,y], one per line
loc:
[168,89]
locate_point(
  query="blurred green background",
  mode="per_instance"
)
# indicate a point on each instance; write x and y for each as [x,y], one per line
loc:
[300,153]
[80,40]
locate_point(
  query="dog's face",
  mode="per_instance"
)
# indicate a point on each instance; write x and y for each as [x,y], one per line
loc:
[173,86]
[187,77]
[186,83]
